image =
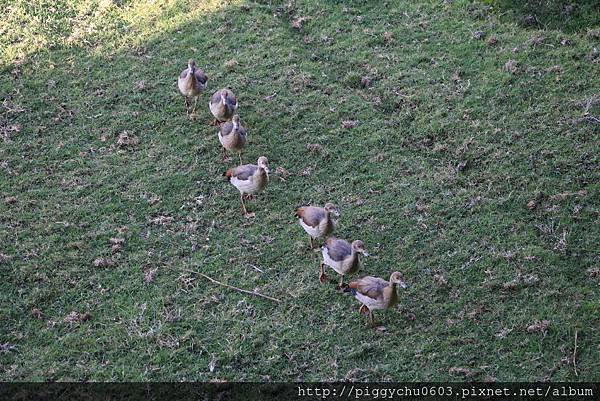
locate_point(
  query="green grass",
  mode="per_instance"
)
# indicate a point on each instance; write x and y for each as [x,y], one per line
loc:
[450,145]
[569,16]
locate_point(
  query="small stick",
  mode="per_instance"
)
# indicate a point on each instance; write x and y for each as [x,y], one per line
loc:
[232,287]
[256,268]
[575,355]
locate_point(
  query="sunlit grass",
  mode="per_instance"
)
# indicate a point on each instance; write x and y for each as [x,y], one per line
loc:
[98,26]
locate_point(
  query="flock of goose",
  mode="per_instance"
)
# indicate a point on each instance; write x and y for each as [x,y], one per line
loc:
[372,292]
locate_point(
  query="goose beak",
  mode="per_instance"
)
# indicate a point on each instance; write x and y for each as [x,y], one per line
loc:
[403,284]
[366,253]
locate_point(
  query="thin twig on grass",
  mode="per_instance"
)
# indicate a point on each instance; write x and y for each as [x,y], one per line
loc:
[256,268]
[232,287]
[575,355]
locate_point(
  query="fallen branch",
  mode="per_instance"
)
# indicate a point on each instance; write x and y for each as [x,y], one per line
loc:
[591,119]
[232,287]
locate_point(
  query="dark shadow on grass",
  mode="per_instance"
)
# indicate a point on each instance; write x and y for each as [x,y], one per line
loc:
[563,15]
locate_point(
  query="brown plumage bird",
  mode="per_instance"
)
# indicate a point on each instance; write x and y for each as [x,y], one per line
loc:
[232,136]
[376,293]
[191,82]
[223,105]
[249,179]
[342,257]
[317,221]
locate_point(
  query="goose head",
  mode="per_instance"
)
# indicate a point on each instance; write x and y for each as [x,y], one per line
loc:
[398,278]
[224,96]
[191,67]
[359,246]
[332,209]
[263,163]
[235,121]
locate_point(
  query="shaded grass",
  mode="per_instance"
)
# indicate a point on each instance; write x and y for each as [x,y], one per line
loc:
[448,149]
[561,15]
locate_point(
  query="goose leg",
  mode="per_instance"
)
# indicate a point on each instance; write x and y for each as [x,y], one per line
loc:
[186,104]
[246,214]
[363,309]
[322,276]
[225,157]
[240,156]
[312,243]
[371,319]
[243,205]
[195,104]
[341,284]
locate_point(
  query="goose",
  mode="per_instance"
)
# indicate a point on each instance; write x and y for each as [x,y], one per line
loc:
[342,257]
[191,82]
[232,136]
[317,221]
[376,293]
[249,179]
[223,105]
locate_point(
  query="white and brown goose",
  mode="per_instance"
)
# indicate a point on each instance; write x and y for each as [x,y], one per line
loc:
[375,293]
[223,105]
[342,257]
[317,221]
[191,82]
[232,136]
[249,179]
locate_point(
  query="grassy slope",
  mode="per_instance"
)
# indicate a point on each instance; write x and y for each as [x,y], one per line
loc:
[70,89]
